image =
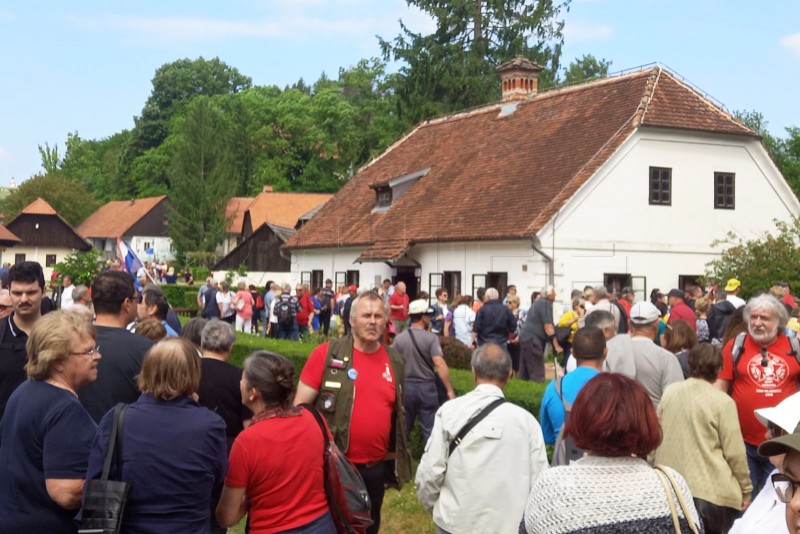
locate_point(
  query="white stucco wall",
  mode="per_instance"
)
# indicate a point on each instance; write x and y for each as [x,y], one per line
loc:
[38,254]
[161,245]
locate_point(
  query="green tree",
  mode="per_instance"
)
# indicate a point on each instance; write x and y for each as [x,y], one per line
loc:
[82,267]
[95,164]
[759,263]
[174,86]
[454,68]
[586,68]
[51,163]
[201,183]
[69,199]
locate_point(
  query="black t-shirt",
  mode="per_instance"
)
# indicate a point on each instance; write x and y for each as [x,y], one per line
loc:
[46,433]
[219,392]
[122,356]
[13,358]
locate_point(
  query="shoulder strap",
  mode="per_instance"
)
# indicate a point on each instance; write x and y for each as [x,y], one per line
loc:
[313,411]
[681,501]
[474,421]
[414,341]
[737,350]
[795,344]
[567,405]
[115,441]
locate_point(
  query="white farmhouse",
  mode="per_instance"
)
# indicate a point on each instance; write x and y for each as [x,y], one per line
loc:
[621,181]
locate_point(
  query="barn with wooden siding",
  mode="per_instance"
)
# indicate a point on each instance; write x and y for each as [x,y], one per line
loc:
[261,251]
[46,236]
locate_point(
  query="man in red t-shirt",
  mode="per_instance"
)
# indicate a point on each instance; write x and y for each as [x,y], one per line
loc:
[306,312]
[679,310]
[398,303]
[372,410]
[766,373]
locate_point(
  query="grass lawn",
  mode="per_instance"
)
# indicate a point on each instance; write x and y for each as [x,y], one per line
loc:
[401,512]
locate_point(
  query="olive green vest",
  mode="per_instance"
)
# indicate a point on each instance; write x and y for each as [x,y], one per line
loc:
[335,403]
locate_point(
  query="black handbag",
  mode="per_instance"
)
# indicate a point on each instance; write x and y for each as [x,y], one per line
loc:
[104,499]
[441,390]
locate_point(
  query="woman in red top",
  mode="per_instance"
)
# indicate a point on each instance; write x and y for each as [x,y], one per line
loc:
[275,469]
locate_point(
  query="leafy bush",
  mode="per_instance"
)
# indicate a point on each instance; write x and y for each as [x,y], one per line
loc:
[456,354]
[180,296]
[759,263]
[82,267]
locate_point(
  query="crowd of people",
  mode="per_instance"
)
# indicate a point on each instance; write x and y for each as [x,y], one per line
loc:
[674,414]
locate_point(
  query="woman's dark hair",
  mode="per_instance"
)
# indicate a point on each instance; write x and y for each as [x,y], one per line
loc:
[679,336]
[613,416]
[736,326]
[273,376]
[192,330]
[705,361]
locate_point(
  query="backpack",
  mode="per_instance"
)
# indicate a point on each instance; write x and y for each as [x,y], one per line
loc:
[719,315]
[259,302]
[285,312]
[565,450]
[738,349]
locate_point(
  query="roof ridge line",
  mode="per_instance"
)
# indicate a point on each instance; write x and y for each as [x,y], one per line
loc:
[650,88]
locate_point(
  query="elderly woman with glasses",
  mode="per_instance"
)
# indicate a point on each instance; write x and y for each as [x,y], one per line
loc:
[173,449]
[45,433]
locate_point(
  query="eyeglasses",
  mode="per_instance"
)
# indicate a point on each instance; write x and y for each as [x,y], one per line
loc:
[89,353]
[764,359]
[785,487]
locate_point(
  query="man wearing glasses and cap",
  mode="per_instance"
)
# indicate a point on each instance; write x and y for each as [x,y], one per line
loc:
[783,450]
[759,369]
[767,513]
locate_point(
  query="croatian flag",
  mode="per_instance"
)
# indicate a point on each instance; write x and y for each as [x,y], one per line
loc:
[130,262]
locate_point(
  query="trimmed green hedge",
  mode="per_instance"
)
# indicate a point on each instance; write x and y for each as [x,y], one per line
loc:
[180,295]
[526,394]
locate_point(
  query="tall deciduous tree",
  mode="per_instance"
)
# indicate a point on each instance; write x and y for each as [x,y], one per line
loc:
[174,86]
[586,68]
[453,68]
[201,181]
[69,199]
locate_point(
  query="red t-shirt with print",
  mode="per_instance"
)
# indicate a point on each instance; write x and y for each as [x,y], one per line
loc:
[279,463]
[759,387]
[373,405]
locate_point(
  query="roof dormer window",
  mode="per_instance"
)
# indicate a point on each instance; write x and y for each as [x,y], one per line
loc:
[391,191]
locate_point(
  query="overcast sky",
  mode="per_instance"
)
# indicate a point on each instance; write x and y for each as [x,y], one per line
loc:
[87,67]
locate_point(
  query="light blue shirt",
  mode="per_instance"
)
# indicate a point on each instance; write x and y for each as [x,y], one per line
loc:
[551,415]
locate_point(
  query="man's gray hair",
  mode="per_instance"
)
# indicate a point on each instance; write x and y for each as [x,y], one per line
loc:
[491,362]
[287,288]
[766,301]
[491,294]
[601,319]
[369,295]
[600,292]
[80,292]
[546,290]
[217,336]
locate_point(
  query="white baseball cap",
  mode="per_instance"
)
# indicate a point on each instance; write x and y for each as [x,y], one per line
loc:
[786,414]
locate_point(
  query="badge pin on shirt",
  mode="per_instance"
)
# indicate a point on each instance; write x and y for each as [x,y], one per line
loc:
[387,374]
[352,374]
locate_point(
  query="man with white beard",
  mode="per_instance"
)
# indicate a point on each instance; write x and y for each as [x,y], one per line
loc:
[759,370]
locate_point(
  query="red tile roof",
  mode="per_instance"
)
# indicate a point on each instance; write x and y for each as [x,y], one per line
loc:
[283,209]
[39,207]
[7,237]
[116,217]
[234,211]
[495,176]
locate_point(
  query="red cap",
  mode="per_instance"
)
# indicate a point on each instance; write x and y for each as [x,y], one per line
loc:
[352,288]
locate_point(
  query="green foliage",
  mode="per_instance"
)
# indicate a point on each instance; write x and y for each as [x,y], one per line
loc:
[199,262]
[50,160]
[761,262]
[454,67]
[69,199]
[586,68]
[94,164]
[179,295]
[456,354]
[82,267]
[200,180]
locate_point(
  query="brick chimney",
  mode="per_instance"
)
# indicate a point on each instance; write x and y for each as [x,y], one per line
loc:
[519,78]
[266,189]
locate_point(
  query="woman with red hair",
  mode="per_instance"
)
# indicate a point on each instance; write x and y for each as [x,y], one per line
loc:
[612,488]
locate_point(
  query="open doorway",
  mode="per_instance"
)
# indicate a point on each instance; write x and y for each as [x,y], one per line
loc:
[408,275]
